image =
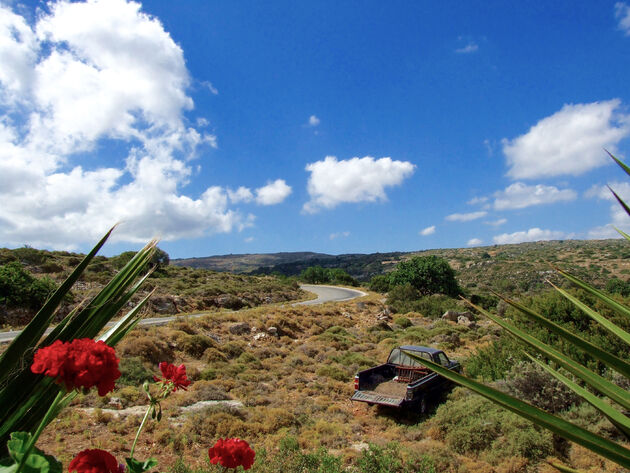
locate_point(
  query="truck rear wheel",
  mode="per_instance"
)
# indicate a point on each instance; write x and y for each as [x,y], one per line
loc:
[423,405]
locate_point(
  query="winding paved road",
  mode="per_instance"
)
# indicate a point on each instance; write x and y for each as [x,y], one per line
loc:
[324,294]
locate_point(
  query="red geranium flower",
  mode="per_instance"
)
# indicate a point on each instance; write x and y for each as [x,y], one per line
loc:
[231,453]
[95,461]
[174,374]
[81,363]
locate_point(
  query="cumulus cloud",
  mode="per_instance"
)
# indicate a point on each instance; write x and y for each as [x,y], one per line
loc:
[618,217]
[519,196]
[313,120]
[334,236]
[622,14]
[273,193]
[474,242]
[242,194]
[427,231]
[570,141]
[333,182]
[467,217]
[82,73]
[533,234]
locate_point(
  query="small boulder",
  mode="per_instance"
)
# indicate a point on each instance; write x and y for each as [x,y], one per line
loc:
[273,331]
[450,315]
[260,336]
[240,328]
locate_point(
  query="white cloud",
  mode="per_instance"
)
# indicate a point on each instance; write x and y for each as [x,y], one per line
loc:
[477,200]
[618,216]
[570,141]
[313,120]
[242,194]
[334,236]
[466,217]
[273,193]
[496,223]
[83,73]
[622,13]
[333,182]
[519,196]
[427,231]
[533,234]
[471,47]
[208,85]
[474,242]
[249,239]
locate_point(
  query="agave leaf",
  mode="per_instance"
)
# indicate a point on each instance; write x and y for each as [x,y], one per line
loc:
[623,234]
[605,298]
[125,324]
[605,357]
[620,163]
[28,338]
[25,397]
[593,442]
[620,200]
[564,469]
[617,418]
[597,382]
[607,324]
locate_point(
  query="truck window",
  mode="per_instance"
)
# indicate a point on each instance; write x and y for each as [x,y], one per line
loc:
[397,357]
[442,359]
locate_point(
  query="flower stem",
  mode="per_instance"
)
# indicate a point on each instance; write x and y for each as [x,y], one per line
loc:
[144,420]
[50,414]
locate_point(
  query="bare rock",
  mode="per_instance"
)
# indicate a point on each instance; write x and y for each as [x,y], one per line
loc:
[450,315]
[240,328]
[115,403]
[273,331]
[260,336]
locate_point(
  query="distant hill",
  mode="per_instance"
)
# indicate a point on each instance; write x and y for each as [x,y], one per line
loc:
[247,263]
[507,268]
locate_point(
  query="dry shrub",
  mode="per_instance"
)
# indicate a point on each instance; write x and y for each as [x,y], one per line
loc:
[205,391]
[150,349]
[101,417]
[233,349]
[196,345]
[212,355]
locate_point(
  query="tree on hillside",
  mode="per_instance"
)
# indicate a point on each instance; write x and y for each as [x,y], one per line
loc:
[427,274]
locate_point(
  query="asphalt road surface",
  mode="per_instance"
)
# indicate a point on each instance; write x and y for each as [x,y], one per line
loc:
[324,294]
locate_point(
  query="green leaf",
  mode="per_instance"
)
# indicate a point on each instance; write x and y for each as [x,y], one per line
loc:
[574,433]
[37,461]
[138,466]
[597,382]
[564,469]
[24,396]
[620,163]
[620,200]
[28,338]
[605,357]
[623,234]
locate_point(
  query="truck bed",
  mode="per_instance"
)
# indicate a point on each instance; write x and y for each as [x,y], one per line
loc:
[388,385]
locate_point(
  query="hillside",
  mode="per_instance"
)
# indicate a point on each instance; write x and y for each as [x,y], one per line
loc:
[506,268]
[177,289]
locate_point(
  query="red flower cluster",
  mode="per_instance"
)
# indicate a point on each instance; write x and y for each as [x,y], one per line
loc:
[95,461]
[231,453]
[174,374]
[81,363]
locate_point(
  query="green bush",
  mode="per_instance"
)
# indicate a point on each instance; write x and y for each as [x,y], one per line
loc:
[495,360]
[531,383]
[19,289]
[379,283]
[403,322]
[133,371]
[427,274]
[471,424]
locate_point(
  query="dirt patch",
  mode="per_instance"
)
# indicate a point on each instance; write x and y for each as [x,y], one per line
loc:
[391,388]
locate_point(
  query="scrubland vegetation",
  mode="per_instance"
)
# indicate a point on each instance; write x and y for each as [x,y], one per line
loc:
[281,376]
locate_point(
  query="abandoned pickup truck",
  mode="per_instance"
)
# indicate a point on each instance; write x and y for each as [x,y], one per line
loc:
[403,382]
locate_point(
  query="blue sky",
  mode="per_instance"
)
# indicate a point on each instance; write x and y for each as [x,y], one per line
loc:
[338,127]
